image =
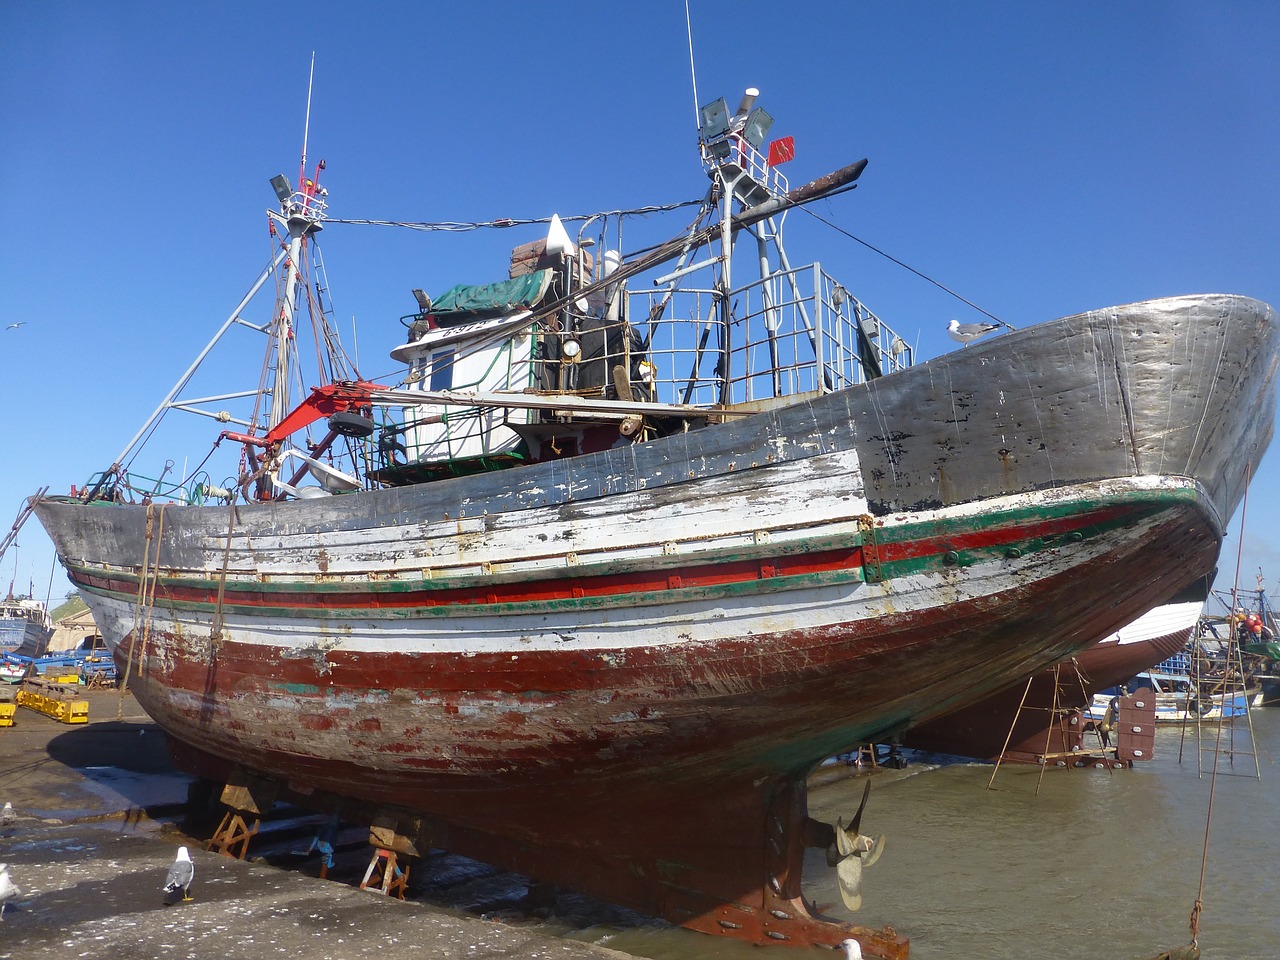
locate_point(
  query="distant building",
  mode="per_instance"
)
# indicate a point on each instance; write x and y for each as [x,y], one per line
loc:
[71,629]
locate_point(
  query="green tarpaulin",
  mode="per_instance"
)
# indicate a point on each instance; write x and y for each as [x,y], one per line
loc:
[1269,649]
[492,299]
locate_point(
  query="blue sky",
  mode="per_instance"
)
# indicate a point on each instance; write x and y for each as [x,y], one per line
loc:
[1039,159]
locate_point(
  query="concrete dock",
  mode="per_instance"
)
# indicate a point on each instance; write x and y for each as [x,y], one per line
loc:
[99,815]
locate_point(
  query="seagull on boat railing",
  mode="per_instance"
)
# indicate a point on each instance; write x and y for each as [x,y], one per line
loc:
[968,332]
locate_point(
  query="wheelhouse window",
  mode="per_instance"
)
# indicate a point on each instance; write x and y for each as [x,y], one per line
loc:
[442,370]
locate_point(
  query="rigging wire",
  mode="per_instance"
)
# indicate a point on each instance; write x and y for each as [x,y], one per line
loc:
[874,249]
[1198,907]
[693,73]
[451,226]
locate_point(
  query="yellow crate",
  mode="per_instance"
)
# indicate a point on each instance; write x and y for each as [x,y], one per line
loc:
[7,710]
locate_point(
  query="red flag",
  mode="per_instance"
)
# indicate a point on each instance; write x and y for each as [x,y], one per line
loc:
[780,151]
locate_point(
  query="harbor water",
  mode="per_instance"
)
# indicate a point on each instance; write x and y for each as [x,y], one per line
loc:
[1099,864]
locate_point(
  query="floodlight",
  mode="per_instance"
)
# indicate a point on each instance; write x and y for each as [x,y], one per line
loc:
[280,183]
[757,127]
[713,120]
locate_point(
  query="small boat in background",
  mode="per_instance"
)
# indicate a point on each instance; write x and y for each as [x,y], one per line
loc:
[1218,672]
[13,669]
[1256,630]
[1180,703]
[25,627]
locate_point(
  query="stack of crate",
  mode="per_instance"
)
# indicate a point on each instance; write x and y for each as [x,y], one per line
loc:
[532,256]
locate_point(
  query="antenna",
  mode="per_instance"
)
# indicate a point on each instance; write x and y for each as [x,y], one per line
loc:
[693,74]
[306,127]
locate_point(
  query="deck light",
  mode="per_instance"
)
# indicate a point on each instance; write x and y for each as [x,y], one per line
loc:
[757,127]
[713,120]
[281,185]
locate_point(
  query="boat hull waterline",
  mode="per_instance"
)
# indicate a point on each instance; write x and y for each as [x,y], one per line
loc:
[614,672]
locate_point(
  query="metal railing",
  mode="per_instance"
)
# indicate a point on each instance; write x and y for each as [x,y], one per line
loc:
[793,333]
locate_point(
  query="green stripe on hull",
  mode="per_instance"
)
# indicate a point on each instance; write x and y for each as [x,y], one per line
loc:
[1135,506]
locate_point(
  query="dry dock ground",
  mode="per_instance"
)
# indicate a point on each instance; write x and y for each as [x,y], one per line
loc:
[98,824]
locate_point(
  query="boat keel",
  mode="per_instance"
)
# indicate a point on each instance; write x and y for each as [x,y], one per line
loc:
[728,864]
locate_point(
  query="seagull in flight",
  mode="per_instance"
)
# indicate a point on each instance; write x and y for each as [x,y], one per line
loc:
[180,876]
[15,326]
[968,332]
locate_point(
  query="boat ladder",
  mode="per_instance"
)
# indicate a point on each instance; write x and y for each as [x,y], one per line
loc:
[1217,698]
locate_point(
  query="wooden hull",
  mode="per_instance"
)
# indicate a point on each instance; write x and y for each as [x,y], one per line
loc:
[613,672]
[23,638]
[1029,720]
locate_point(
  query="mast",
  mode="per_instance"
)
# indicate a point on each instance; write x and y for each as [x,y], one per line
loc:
[301,212]
[744,178]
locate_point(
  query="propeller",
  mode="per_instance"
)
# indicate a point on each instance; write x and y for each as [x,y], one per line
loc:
[853,851]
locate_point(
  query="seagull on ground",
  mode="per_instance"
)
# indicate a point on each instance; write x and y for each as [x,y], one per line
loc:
[180,876]
[852,949]
[8,889]
[7,814]
[968,332]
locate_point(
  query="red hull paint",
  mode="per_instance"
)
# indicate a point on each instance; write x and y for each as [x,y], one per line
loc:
[638,820]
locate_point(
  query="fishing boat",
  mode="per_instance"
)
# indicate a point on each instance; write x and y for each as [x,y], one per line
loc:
[1179,702]
[1219,672]
[13,669]
[1049,714]
[1251,617]
[638,540]
[25,627]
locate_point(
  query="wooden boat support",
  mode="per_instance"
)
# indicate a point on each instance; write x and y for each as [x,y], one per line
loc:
[243,794]
[398,839]
[385,875]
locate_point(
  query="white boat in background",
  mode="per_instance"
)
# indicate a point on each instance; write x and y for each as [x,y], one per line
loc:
[1208,679]
[1182,706]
